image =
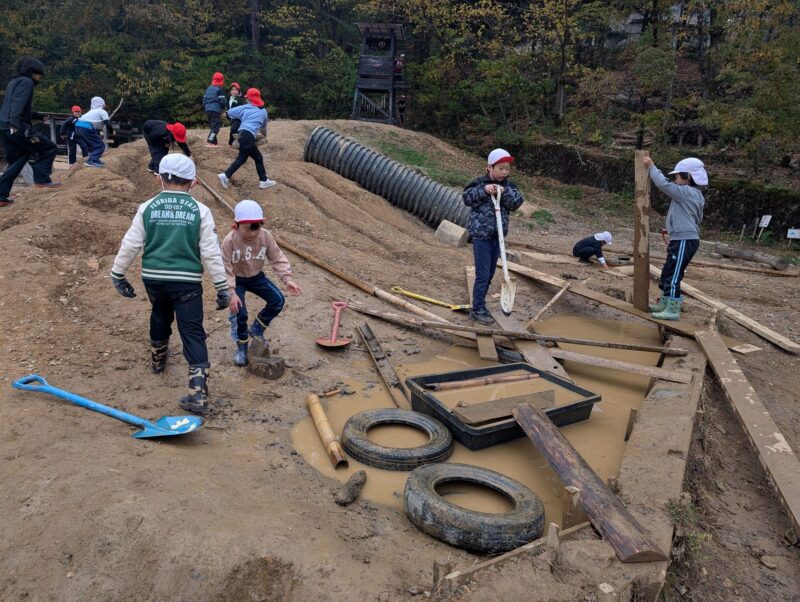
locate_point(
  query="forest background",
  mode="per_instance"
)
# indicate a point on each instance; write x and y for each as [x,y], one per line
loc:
[719,78]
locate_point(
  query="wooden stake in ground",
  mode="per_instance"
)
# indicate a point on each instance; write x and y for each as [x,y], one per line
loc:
[486,347]
[617,526]
[531,325]
[641,235]
[774,453]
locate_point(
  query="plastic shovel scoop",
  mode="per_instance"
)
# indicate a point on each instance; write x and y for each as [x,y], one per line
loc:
[332,342]
[167,426]
[509,289]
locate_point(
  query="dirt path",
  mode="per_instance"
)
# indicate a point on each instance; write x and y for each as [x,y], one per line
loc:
[233,513]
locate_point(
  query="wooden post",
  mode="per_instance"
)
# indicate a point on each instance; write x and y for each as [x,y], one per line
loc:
[615,523]
[631,421]
[571,513]
[553,540]
[641,235]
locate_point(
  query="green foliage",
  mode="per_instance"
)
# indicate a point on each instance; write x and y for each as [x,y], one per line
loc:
[542,218]
[425,163]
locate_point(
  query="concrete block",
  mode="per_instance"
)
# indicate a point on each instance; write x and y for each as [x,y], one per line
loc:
[451,234]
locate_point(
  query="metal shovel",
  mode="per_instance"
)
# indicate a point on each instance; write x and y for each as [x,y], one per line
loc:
[333,342]
[509,288]
[166,426]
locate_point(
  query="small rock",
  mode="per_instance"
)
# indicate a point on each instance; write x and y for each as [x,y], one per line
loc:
[352,489]
[70,575]
[769,561]
[727,583]
[414,590]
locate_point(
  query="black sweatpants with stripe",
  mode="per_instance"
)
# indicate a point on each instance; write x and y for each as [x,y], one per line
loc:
[679,254]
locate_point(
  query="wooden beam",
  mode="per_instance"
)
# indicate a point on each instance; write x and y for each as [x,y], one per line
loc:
[675,376]
[500,409]
[681,326]
[773,451]
[641,235]
[617,526]
[486,347]
[531,325]
[763,331]
[776,263]
[396,388]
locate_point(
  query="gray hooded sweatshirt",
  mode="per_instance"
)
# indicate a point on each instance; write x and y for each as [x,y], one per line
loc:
[685,209]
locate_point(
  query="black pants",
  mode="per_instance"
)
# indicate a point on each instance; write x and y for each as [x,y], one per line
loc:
[235,123]
[214,123]
[73,142]
[182,301]
[157,152]
[584,253]
[18,151]
[679,254]
[247,148]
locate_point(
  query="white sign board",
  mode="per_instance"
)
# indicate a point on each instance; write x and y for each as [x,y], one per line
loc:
[764,221]
[793,233]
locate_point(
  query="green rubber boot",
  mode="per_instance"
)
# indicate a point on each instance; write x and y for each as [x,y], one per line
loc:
[660,305]
[672,311]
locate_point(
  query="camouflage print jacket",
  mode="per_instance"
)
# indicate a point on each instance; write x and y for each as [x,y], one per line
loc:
[482,222]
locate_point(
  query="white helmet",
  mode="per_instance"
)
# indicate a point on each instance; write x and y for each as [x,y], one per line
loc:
[248,212]
[695,168]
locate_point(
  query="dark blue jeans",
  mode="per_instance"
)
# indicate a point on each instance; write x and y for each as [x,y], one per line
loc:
[93,140]
[261,286]
[679,254]
[487,253]
[182,301]
[73,142]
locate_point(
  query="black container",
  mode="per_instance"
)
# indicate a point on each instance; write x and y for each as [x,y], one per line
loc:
[478,437]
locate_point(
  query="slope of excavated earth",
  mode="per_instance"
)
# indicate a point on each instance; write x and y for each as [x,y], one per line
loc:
[232,512]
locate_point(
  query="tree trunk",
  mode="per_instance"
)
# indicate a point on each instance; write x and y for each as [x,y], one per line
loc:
[255,27]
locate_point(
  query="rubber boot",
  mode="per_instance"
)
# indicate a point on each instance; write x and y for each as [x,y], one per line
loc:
[672,310]
[234,328]
[159,351]
[660,305]
[240,357]
[197,399]
[257,330]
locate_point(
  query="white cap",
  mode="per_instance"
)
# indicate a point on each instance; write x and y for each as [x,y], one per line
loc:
[604,237]
[499,155]
[178,165]
[248,212]
[695,168]
[98,103]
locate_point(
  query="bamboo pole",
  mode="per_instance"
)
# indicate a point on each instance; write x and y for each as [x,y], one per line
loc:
[482,381]
[530,325]
[329,440]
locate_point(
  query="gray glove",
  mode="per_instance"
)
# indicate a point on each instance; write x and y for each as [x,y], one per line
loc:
[123,287]
[223,299]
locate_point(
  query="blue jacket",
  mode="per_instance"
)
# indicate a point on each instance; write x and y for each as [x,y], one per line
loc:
[253,118]
[214,99]
[482,221]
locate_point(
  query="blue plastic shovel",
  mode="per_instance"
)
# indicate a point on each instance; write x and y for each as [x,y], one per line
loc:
[167,426]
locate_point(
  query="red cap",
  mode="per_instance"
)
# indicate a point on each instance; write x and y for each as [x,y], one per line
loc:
[254,96]
[76,108]
[218,79]
[236,85]
[178,130]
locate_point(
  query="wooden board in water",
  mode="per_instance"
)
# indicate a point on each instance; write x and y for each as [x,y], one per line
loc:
[500,409]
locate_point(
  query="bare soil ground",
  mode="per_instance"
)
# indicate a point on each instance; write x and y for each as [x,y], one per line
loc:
[233,513]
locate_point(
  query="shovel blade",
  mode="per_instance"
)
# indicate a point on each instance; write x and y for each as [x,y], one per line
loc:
[169,426]
[329,344]
[507,293]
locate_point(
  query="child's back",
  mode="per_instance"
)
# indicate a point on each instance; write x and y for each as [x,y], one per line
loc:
[252,118]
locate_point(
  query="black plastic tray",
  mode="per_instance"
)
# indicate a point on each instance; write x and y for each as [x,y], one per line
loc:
[477,437]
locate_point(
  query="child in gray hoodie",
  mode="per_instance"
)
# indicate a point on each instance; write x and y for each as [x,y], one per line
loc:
[683,224]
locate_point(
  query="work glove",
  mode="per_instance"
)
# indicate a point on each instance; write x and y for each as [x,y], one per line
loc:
[223,299]
[123,287]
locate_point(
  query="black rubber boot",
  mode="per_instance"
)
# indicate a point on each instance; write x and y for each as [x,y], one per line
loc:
[197,399]
[240,357]
[159,351]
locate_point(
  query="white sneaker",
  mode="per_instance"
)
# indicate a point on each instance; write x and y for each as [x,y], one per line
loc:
[266,183]
[223,179]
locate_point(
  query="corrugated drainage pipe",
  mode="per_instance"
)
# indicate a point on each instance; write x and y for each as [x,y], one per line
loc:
[398,184]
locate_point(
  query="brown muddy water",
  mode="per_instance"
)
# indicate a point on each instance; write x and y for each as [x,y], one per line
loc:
[600,439]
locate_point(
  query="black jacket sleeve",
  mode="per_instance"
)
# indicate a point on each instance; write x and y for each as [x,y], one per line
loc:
[20,97]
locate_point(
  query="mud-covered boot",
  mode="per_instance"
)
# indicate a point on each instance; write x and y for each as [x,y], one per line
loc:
[257,330]
[159,351]
[197,399]
[672,310]
[240,357]
[660,305]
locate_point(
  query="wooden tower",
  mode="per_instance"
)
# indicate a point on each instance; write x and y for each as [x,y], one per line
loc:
[380,73]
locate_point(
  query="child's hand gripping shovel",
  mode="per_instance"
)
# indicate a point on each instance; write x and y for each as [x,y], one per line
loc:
[167,426]
[509,288]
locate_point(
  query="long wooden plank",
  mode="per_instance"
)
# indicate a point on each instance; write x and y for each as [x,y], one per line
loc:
[486,347]
[681,326]
[774,453]
[763,331]
[384,366]
[675,376]
[614,522]
[500,409]
[641,234]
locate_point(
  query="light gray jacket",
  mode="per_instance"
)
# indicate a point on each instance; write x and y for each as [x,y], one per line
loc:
[685,209]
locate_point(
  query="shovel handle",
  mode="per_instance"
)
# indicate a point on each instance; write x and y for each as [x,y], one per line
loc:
[42,386]
[338,306]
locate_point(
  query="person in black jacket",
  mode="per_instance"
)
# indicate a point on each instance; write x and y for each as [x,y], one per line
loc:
[160,136]
[483,224]
[592,246]
[73,140]
[19,139]
[234,100]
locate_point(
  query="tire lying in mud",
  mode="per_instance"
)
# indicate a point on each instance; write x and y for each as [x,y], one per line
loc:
[469,529]
[357,444]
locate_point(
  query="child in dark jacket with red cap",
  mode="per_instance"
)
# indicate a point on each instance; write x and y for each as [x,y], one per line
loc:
[214,104]
[234,100]
[160,136]
[73,140]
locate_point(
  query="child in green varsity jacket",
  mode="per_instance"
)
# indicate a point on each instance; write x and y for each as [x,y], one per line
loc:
[177,237]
